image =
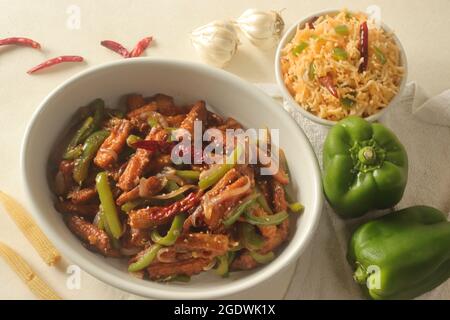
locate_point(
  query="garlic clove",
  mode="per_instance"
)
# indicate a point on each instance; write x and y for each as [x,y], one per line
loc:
[216,42]
[262,28]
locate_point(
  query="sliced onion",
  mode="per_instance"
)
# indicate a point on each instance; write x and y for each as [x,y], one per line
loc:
[160,257]
[170,173]
[97,218]
[210,203]
[195,216]
[174,193]
[211,265]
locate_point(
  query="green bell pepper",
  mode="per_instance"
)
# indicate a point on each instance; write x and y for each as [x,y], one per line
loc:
[365,167]
[403,254]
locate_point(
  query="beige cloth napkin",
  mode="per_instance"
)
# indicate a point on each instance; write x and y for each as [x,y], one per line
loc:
[423,125]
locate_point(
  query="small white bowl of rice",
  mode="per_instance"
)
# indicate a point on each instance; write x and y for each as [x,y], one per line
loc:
[337,63]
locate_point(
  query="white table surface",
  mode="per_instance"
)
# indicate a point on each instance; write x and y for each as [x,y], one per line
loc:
[422,26]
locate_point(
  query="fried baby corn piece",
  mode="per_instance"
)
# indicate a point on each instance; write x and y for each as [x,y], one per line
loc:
[39,288]
[154,216]
[139,162]
[161,271]
[197,113]
[95,237]
[113,145]
[196,245]
[82,196]
[231,180]
[141,113]
[278,196]
[215,243]
[176,120]
[30,229]
[87,210]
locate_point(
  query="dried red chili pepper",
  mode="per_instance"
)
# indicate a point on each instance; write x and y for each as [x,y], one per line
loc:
[153,216]
[363,46]
[153,145]
[140,47]
[21,42]
[328,82]
[54,61]
[311,21]
[116,47]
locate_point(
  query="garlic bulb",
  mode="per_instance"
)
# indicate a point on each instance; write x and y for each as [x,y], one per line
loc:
[262,28]
[216,42]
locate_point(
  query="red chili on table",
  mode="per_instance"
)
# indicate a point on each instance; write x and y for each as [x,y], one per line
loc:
[55,61]
[363,46]
[20,41]
[116,47]
[328,82]
[140,47]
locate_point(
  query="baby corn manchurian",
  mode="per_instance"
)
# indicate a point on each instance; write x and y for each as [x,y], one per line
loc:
[121,194]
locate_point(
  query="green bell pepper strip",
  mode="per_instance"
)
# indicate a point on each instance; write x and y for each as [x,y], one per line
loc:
[152,122]
[132,139]
[365,167]
[171,186]
[89,125]
[145,260]
[189,175]
[402,254]
[103,225]
[296,207]
[69,154]
[299,48]
[270,220]
[216,173]
[173,233]
[90,148]
[249,238]
[262,258]
[237,212]
[73,153]
[223,266]
[130,205]
[108,205]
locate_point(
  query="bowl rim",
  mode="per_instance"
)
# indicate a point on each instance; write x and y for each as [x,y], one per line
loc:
[260,275]
[289,34]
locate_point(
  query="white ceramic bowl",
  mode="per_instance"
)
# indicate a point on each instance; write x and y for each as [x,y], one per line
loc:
[187,82]
[287,37]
